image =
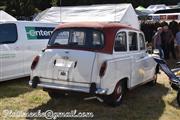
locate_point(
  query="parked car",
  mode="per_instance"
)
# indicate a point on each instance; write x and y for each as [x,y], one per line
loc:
[20,42]
[99,58]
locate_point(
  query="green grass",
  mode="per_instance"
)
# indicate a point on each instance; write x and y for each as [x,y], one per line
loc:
[142,103]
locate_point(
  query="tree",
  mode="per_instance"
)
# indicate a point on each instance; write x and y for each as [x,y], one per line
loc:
[43,4]
[54,2]
[20,7]
[29,7]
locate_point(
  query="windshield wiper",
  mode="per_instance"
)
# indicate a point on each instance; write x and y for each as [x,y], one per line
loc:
[73,43]
[56,43]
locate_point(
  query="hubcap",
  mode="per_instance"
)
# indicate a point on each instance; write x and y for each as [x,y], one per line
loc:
[119,93]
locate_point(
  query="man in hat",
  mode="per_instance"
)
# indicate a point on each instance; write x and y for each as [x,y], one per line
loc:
[168,42]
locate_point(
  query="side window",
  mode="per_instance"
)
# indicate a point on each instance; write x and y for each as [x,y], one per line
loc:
[120,42]
[133,43]
[8,33]
[141,41]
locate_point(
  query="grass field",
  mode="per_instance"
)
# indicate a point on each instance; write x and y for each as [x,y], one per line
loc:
[143,103]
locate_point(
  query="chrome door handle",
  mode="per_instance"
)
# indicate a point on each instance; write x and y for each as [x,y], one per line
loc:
[75,64]
[54,62]
[142,57]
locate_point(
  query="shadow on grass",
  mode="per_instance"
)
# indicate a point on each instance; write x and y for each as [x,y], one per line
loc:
[174,103]
[13,88]
[142,103]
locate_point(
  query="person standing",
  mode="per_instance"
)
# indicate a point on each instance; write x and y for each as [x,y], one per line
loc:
[157,41]
[178,41]
[168,43]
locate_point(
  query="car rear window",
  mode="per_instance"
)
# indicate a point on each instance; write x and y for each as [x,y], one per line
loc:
[8,33]
[84,38]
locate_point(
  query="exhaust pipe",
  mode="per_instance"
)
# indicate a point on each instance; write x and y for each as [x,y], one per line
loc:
[35,82]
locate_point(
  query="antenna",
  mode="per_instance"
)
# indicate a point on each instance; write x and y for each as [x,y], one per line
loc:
[115,14]
[60,11]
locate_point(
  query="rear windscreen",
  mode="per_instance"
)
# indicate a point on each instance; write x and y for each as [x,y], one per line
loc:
[8,33]
[84,38]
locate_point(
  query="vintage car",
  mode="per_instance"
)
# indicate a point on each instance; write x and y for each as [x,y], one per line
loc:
[100,58]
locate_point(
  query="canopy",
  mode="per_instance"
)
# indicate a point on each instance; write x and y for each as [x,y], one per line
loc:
[123,13]
[140,8]
[6,17]
[155,8]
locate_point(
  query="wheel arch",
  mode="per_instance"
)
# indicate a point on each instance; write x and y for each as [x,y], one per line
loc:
[125,81]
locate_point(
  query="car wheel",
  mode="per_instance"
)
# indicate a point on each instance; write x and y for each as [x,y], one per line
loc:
[55,95]
[178,97]
[117,96]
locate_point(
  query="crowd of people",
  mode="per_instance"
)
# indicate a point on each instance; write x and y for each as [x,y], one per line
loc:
[164,37]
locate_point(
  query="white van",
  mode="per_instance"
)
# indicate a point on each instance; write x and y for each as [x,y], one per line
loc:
[20,41]
[99,58]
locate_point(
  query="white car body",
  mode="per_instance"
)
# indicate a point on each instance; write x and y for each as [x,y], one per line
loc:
[76,69]
[19,44]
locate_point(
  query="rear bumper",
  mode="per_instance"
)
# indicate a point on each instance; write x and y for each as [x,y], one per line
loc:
[67,87]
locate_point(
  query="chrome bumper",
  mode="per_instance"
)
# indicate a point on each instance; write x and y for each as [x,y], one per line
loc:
[69,87]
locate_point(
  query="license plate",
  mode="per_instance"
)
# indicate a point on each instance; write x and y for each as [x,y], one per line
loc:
[64,63]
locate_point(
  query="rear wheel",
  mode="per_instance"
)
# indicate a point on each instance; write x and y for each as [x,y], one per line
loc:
[178,97]
[116,97]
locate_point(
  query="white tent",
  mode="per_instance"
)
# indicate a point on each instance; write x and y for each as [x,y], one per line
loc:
[155,8]
[6,17]
[123,13]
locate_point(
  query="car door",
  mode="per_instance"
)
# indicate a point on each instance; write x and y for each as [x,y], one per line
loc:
[147,61]
[137,75]
[11,56]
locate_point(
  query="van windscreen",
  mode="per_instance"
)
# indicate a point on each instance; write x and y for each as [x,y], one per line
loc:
[81,38]
[8,33]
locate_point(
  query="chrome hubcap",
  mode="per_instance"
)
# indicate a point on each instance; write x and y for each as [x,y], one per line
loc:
[119,93]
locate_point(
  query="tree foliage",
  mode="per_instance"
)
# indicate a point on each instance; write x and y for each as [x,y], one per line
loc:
[29,7]
[20,7]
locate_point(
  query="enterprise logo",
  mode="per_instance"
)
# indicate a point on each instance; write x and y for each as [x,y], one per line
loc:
[34,33]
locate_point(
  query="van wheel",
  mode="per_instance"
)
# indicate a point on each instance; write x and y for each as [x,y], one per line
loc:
[117,96]
[55,95]
[178,97]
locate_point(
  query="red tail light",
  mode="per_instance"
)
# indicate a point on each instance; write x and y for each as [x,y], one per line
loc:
[35,62]
[103,69]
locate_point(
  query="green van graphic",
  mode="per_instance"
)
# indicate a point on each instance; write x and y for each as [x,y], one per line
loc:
[35,33]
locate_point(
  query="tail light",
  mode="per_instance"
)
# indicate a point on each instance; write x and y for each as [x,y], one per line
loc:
[35,62]
[103,69]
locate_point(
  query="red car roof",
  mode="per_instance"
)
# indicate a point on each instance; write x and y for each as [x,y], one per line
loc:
[96,25]
[109,30]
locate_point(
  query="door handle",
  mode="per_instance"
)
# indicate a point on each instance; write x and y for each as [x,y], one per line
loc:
[141,57]
[75,64]
[54,62]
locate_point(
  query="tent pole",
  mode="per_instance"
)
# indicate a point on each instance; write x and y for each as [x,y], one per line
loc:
[60,11]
